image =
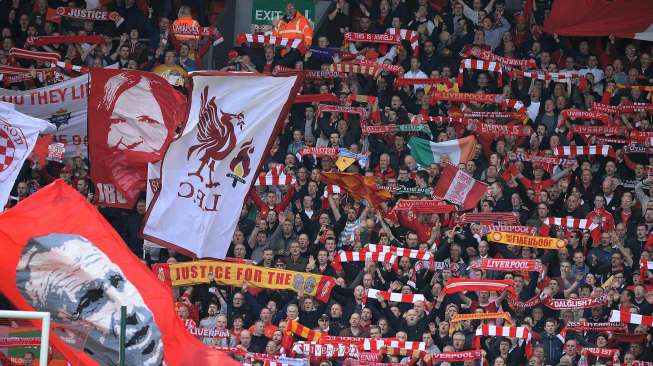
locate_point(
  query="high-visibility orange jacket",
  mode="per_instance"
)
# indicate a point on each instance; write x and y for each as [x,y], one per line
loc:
[298,27]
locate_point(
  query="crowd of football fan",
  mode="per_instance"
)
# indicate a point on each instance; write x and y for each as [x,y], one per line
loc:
[299,228]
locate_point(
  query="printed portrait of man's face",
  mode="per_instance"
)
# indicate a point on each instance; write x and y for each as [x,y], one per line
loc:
[136,120]
[68,276]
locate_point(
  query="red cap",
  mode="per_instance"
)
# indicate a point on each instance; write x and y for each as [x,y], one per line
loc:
[232,54]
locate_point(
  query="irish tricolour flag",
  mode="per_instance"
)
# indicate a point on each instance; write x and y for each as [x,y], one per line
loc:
[427,152]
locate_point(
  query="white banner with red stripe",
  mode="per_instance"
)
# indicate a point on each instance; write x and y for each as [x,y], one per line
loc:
[392,296]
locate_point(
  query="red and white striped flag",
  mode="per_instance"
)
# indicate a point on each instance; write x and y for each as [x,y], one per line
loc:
[605,150]
[459,187]
[393,296]
[296,43]
[51,57]
[630,318]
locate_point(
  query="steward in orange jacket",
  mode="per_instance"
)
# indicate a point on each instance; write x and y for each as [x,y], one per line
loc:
[294,25]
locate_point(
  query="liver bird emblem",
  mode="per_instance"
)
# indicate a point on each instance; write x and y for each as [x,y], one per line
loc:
[216,136]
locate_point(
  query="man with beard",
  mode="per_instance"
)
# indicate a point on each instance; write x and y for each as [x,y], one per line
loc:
[68,276]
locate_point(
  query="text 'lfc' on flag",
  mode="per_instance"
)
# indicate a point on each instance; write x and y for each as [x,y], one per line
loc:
[133,115]
[208,170]
[358,187]
[61,256]
[428,152]
[459,187]
[18,135]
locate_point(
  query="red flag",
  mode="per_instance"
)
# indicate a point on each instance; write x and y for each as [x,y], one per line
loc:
[457,186]
[358,187]
[621,18]
[132,117]
[61,256]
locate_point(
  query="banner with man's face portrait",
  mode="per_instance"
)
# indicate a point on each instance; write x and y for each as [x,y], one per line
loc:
[62,257]
[133,115]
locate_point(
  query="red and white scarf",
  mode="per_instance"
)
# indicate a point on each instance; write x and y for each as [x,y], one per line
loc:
[471,64]
[605,150]
[597,130]
[372,38]
[491,330]
[579,303]
[478,52]
[452,357]
[580,224]
[479,98]
[643,267]
[318,151]
[321,108]
[507,218]
[370,70]
[20,53]
[272,178]
[463,284]
[612,353]
[424,206]
[544,75]
[315,350]
[392,296]
[591,327]
[625,316]
[362,256]
[418,119]
[393,69]
[310,98]
[48,40]
[429,81]
[493,115]
[491,129]
[399,252]
[310,74]
[515,229]
[370,344]
[7,342]
[259,39]
[508,265]
[579,114]
[430,266]
[71,67]
[532,302]
[54,15]
[408,35]
[206,332]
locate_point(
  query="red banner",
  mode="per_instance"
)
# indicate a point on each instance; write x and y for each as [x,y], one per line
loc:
[133,115]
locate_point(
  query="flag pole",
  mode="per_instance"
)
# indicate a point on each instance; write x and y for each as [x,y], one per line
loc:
[123,330]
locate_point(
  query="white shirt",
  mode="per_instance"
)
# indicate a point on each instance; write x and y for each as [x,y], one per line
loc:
[419,74]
